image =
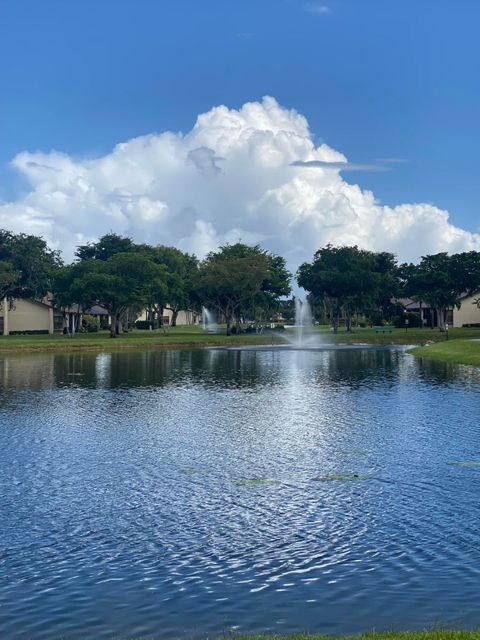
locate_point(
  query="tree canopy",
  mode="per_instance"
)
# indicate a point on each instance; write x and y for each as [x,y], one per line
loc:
[239,280]
[440,280]
[350,280]
[27,266]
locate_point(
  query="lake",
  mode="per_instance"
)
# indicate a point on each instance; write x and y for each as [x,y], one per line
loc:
[183,493]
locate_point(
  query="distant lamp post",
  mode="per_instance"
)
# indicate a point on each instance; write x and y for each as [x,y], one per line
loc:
[446,329]
[406,323]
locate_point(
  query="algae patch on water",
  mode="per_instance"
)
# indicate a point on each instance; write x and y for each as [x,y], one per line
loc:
[353,452]
[342,477]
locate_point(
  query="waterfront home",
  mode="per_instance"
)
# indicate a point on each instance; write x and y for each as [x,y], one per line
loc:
[469,312]
[22,315]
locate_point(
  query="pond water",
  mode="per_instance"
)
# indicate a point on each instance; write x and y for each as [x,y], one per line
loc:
[183,493]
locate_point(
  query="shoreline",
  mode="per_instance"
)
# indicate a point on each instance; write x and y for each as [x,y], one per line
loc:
[465,352]
[427,634]
[463,347]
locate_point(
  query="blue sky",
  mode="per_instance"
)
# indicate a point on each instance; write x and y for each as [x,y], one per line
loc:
[375,79]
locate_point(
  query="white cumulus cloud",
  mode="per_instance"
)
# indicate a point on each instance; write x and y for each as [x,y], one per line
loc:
[252,174]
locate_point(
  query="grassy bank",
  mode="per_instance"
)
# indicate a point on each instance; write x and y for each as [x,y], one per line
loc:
[455,351]
[176,337]
[436,634]
[192,337]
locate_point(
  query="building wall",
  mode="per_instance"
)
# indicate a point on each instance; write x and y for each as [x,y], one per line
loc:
[183,318]
[25,315]
[468,313]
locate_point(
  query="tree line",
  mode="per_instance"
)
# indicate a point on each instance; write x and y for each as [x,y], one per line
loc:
[238,281]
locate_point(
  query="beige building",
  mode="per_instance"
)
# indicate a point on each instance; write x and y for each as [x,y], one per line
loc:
[24,315]
[469,312]
[184,317]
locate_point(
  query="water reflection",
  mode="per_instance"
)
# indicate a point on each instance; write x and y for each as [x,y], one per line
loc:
[217,367]
[173,493]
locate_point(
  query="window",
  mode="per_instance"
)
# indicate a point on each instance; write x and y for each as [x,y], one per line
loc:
[57,323]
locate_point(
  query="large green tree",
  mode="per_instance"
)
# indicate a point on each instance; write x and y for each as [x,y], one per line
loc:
[349,280]
[27,266]
[176,293]
[122,283]
[440,280]
[238,279]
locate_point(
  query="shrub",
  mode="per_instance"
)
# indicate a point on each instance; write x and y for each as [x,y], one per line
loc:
[376,318]
[90,323]
[146,324]
[414,320]
[29,332]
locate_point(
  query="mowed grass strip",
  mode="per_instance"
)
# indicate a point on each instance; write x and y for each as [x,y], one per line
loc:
[434,634]
[175,337]
[453,351]
[195,337]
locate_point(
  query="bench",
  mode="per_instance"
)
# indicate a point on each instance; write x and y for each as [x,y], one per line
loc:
[388,328]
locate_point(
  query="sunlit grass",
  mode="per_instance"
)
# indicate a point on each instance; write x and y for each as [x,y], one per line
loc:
[433,634]
[436,634]
[194,336]
[454,351]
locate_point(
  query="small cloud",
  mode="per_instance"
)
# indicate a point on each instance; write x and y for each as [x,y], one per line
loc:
[315,7]
[245,35]
[339,166]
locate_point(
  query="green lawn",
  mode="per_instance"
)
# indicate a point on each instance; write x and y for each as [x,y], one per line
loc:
[196,337]
[456,351]
[437,634]
[174,337]
[399,336]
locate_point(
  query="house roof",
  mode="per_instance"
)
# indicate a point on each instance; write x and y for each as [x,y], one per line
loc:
[97,310]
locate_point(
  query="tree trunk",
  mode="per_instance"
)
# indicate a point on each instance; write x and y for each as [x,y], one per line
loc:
[228,319]
[160,315]
[115,325]
[348,319]
[174,317]
[441,318]
[335,323]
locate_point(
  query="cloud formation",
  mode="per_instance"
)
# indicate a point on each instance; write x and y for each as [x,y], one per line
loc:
[342,166]
[230,178]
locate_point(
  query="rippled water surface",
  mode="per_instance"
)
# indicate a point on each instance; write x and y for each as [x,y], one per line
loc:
[186,493]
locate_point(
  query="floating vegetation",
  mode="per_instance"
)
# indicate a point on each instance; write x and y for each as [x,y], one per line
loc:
[344,477]
[256,481]
[466,463]
[191,470]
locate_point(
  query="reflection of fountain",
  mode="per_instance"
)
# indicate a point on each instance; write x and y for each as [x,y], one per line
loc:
[209,322]
[302,334]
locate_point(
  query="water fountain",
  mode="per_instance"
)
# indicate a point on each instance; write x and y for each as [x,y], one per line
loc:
[302,334]
[209,321]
